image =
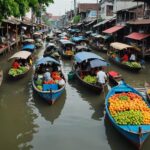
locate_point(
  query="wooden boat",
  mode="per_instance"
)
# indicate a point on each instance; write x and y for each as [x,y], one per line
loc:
[114,77]
[49,92]
[117,47]
[80,74]
[1,77]
[147,88]
[52,51]
[20,56]
[137,134]
[66,53]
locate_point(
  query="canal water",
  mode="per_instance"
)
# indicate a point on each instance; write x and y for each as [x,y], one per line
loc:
[76,121]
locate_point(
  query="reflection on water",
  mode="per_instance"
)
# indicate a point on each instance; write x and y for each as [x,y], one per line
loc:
[50,113]
[76,121]
[96,101]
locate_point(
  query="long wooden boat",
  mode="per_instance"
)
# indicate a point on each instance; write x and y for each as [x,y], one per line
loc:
[50,92]
[94,87]
[124,66]
[79,58]
[66,54]
[20,55]
[137,134]
[1,77]
[147,87]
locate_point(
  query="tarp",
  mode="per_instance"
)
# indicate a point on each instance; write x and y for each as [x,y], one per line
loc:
[113,29]
[120,46]
[137,36]
[81,56]
[28,46]
[97,63]
[21,54]
[46,60]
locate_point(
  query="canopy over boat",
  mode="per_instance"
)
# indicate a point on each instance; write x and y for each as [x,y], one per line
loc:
[29,40]
[120,46]
[81,56]
[97,63]
[78,38]
[28,46]
[21,54]
[64,42]
[46,60]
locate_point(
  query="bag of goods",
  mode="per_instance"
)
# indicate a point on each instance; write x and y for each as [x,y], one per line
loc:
[129,109]
[90,79]
[61,82]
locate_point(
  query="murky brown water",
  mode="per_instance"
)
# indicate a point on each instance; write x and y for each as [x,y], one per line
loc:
[76,121]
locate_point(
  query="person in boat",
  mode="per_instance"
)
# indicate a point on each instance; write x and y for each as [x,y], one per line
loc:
[125,57]
[16,64]
[101,76]
[47,75]
[132,57]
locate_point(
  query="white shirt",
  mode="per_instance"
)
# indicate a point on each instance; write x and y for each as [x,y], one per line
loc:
[101,76]
[132,57]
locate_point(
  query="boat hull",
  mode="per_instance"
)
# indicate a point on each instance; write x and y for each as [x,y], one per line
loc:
[124,66]
[136,134]
[95,88]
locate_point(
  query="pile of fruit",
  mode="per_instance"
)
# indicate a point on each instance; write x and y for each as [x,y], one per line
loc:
[14,72]
[69,52]
[90,79]
[132,64]
[129,108]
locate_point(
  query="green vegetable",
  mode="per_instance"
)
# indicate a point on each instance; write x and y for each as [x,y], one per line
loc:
[90,79]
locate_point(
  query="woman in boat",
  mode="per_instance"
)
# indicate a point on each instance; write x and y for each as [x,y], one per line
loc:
[132,57]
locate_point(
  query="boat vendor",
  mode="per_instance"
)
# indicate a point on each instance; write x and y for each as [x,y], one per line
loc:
[47,75]
[16,64]
[101,76]
[125,57]
[132,57]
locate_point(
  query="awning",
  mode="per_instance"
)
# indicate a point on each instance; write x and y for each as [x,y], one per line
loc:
[100,23]
[81,56]
[137,36]
[97,63]
[46,60]
[21,54]
[91,22]
[113,29]
[120,46]
[66,42]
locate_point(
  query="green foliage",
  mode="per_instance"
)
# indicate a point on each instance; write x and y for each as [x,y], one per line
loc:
[76,19]
[19,8]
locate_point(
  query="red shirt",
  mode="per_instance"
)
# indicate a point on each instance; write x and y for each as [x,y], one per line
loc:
[125,58]
[16,65]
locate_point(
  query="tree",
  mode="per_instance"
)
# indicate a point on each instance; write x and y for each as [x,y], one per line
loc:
[23,7]
[76,19]
[8,8]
